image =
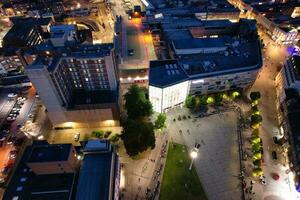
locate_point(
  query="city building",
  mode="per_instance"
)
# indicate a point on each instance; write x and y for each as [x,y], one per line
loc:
[274,18]
[53,159]
[168,86]
[78,85]
[29,184]
[99,176]
[204,61]
[290,131]
[23,34]
[288,77]
[60,34]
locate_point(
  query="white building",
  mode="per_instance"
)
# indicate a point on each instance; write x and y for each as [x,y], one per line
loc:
[169,85]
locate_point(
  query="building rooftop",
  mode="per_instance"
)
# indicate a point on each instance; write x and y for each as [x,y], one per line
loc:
[245,56]
[76,52]
[166,73]
[26,185]
[198,43]
[50,153]
[94,177]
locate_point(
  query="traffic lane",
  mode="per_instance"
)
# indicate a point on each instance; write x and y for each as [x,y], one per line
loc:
[4,154]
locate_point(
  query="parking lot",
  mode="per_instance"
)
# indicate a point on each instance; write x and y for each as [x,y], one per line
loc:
[217,163]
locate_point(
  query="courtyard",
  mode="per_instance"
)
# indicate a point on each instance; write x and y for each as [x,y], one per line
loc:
[217,164]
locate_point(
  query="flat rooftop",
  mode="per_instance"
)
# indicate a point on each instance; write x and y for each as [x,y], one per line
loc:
[166,73]
[94,177]
[198,43]
[50,153]
[245,56]
[26,185]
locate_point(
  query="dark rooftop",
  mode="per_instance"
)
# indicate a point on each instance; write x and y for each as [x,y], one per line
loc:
[198,43]
[27,186]
[50,153]
[166,72]
[94,178]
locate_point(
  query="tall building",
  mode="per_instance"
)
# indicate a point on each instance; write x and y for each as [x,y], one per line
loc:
[78,85]
[99,176]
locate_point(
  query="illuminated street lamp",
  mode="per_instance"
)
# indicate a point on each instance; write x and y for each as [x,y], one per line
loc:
[194,154]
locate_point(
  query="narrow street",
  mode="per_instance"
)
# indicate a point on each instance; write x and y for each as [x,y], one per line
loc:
[284,187]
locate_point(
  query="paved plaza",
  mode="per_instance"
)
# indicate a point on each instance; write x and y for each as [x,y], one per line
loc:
[217,163]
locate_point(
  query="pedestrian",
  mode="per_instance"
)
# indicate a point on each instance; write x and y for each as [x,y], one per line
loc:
[139,179]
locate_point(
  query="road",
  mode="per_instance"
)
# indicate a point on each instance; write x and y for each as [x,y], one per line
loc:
[284,188]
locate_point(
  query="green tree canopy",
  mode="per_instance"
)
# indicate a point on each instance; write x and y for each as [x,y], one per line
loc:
[136,103]
[255,96]
[160,121]
[256,148]
[218,98]
[257,171]
[190,102]
[256,119]
[138,136]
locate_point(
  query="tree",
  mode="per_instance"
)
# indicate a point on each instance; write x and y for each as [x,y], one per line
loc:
[255,132]
[257,172]
[255,139]
[201,100]
[254,109]
[257,163]
[218,99]
[256,156]
[98,134]
[160,121]
[254,96]
[256,119]
[190,102]
[256,148]
[138,136]
[136,103]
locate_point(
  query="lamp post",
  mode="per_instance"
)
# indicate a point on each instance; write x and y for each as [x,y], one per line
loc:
[194,154]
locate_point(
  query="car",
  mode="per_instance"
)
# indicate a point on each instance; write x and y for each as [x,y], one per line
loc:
[274,155]
[12,115]
[130,52]
[263,180]
[12,95]
[10,119]
[12,156]
[76,137]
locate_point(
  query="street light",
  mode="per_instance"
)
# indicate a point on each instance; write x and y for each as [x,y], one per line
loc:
[194,154]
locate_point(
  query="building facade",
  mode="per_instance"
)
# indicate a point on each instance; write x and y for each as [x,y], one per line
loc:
[78,87]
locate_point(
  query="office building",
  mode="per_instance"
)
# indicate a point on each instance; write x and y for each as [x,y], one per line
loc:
[78,85]
[99,176]
[32,182]
[53,159]
[204,61]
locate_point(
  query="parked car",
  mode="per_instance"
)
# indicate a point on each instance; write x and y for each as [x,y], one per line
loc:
[130,52]
[10,119]
[274,155]
[12,95]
